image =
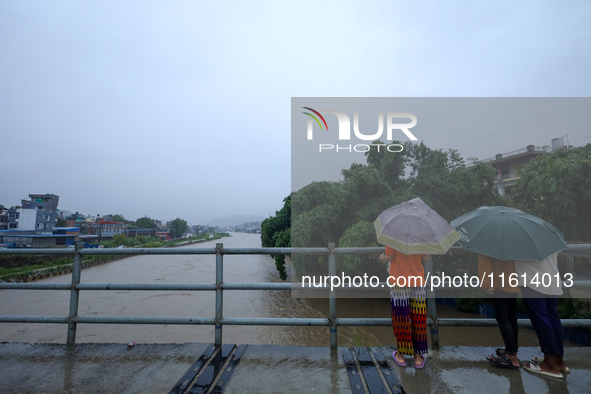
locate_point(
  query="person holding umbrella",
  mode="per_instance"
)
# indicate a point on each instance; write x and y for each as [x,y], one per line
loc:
[411,231]
[541,304]
[503,297]
[507,234]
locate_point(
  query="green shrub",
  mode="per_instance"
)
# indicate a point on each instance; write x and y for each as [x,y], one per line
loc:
[468,304]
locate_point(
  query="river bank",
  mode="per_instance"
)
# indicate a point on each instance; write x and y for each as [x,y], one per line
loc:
[63,269]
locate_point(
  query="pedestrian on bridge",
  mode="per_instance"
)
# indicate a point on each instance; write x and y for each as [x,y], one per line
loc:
[411,232]
[506,235]
[541,299]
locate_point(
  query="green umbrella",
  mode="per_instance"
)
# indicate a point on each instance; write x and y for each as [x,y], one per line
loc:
[508,234]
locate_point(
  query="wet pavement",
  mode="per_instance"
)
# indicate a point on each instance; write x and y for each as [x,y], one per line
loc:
[156,368]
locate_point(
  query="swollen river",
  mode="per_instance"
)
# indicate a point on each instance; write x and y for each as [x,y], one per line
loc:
[244,303]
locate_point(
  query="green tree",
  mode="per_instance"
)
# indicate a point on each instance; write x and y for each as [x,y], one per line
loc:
[557,188]
[119,239]
[276,233]
[178,226]
[343,212]
[119,218]
[390,165]
[145,223]
[440,179]
[61,222]
[361,234]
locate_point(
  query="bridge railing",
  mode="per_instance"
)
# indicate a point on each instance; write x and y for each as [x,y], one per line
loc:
[219,286]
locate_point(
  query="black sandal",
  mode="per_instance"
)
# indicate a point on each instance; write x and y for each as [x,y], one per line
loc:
[502,362]
[498,352]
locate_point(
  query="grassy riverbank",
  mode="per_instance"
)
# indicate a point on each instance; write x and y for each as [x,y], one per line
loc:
[23,268]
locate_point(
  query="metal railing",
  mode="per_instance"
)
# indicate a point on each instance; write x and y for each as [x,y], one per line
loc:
[219,286]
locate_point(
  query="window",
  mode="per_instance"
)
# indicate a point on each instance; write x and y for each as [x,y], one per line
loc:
[13,225]
[40,225]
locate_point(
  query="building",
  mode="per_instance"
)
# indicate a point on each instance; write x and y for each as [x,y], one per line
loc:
[71,235]
[509,164]
[62,236]
[50,201]
[146,232]
[38,215]
[163,234]
[76,220]
[64,214]
[89,239]
[106,229]
[3,218]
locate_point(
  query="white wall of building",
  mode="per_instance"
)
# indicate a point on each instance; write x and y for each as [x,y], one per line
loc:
[27,219]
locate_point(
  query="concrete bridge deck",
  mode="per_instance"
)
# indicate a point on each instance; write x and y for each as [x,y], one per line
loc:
[157,368]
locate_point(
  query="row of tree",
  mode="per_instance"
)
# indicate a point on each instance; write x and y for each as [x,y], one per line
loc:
[555,187]
[177,226]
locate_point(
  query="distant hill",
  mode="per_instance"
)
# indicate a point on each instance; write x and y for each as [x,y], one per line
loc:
[235,220]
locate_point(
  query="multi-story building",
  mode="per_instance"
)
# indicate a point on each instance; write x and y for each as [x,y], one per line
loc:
[76,220]
[146,232]
[106,229]
[3,218]
[50,201]
[509,164]
[38,215]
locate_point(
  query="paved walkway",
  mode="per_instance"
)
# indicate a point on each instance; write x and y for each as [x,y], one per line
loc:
[157,368]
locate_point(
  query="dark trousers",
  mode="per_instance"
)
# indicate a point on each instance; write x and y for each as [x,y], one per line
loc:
[543,313]
[505,306]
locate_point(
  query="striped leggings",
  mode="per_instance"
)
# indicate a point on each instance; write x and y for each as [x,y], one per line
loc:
[409,319]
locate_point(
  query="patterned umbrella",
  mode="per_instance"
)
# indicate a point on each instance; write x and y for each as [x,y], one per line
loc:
[414,228]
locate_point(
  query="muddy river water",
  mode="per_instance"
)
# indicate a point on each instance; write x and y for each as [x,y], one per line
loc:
[201,269]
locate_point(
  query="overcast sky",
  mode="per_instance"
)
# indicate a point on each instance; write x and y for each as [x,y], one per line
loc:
[182,108]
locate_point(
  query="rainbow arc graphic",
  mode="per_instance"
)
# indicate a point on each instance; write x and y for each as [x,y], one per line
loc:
[315,118]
